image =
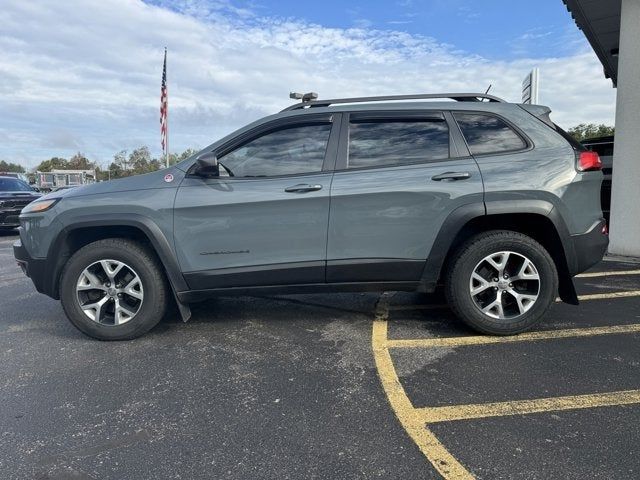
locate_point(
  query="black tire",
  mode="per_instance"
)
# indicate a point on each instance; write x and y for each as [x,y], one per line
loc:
[146,265]
[471,254]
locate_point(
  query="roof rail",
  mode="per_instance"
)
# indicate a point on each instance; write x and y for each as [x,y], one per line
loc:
[459,97]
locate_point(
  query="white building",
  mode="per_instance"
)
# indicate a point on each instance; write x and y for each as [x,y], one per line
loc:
[612,27]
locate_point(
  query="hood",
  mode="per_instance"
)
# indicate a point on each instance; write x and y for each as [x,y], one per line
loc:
[165,178]
[19,195]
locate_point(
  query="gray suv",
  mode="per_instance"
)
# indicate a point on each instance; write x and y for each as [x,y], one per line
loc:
[488,199]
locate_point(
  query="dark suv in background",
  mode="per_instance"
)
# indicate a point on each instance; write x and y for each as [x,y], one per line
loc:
[14,195]
[489,199]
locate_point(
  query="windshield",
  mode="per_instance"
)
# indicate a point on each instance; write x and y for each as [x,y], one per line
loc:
[14,185]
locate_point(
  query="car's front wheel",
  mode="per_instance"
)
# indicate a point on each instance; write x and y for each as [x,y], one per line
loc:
[501,282]
[114,289]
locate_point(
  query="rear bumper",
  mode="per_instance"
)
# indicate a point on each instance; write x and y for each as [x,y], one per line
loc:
[34,268]
[590,247]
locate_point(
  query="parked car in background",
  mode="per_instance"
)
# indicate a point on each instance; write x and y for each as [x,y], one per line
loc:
[18,175]
[489,199]
[14,195]
[603,146]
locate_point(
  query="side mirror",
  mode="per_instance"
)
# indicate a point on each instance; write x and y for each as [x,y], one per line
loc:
[207,165]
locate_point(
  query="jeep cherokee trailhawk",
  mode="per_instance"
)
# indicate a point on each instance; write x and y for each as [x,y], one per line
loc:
[489,199]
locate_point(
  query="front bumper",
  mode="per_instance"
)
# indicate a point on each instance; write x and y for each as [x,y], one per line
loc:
[590,247]
[34,268]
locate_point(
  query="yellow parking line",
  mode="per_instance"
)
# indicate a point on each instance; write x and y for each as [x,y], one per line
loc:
[608,274]
[523,407]
[523,337]
[399,308]
[408,416]
[590,296]
[602,296]
[415,421]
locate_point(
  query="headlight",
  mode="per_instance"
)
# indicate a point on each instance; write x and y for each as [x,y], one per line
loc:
[38,206]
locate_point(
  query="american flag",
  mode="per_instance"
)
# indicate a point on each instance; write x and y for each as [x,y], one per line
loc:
[164,105]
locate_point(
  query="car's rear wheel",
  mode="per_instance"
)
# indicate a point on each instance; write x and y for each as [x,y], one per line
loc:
[114,289]
[501,282]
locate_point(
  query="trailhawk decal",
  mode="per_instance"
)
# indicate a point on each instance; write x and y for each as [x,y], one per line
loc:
[225,252]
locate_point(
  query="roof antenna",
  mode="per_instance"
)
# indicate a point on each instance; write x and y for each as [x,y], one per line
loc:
[488,88]
[305,97]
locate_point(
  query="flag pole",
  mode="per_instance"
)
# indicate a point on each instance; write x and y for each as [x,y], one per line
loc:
[166,154]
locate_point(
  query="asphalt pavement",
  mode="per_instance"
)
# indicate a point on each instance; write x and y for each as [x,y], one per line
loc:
[335,386]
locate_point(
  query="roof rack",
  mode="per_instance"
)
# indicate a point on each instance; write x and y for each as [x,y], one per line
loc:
[459,97]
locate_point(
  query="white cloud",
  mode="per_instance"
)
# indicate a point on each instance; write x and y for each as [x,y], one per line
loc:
[86,74]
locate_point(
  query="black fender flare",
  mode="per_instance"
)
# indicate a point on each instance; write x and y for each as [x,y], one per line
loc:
[543,208]
[441,245]
[461,216]
[156,237]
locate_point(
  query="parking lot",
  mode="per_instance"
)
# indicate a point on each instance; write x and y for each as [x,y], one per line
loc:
[323,386]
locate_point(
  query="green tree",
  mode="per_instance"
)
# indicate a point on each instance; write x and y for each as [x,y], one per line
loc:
[155,164]
[11,167]
[175,157]
[80,162]
[101,175]
[114,171]
[54,163]
[585,131]
[118,167]
[140,160]
[120,158]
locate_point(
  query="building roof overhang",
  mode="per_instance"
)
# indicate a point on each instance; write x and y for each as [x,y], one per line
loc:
[600,22]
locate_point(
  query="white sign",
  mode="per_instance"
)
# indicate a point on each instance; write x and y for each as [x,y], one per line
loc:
[530,86]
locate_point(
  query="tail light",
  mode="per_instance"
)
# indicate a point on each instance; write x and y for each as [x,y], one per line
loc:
[588,161]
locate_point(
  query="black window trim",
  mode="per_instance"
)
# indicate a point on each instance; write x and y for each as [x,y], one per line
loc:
[575,144]
[328,164]
[529,145]
[342,164]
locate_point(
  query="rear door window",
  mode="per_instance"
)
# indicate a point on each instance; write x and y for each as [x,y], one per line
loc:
[387,142]
[488,134]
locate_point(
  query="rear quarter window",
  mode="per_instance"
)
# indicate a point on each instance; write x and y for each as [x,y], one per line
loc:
[488,134]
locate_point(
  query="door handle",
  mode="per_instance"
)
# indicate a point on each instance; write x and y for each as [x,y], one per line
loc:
[302,188]
[451,176]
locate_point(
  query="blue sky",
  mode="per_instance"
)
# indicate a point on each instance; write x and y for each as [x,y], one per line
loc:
[531,28]
[84,75]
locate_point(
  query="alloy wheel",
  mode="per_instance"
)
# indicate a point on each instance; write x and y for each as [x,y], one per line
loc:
[505,285]
[109,292]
